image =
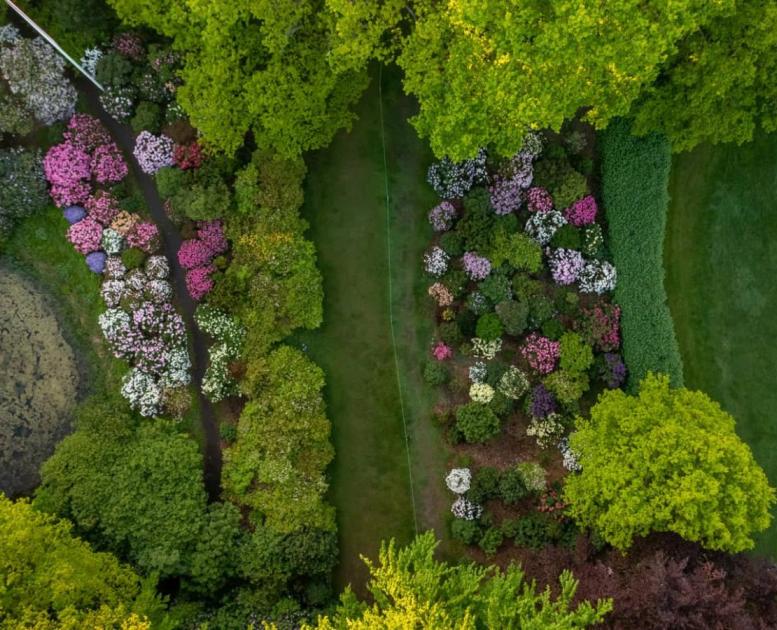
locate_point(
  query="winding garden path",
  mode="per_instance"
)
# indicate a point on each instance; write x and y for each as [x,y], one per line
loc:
[171,242]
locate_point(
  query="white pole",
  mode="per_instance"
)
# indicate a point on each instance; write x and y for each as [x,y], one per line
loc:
[51,41]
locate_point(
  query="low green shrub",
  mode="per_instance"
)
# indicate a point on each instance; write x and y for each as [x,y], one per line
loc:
[513,315]
[467,532]
[477,422]
[484,485]
[435,373]
[133,257]
[491,540]
[489,327]
[528,531]
[511,487]
[635,172]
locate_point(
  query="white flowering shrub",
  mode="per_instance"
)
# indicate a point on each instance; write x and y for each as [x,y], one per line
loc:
[513,383]
[451,180]
[90,58]
[546,431]
[9,34]
[487,350]
[533,476]
[177,372]
[541,226]
[118,102]
[142,392]
[465,509]
[157,267]
[597,276]
[218,382]
[158,291]
[459,480]
[111,291]
[112,242]
[477,372]
[114,268]
[569,458]
[436,261]
[481,393]
[34,72]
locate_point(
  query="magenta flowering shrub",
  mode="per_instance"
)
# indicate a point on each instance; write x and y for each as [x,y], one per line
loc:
[145,236]
[65,164]
[85,235]
[506,195]
[541,353]
[566,265]
[153,152]
[69,194]
[108,164]
[441,217]
[211,234]
[539,200]
[86,132]
[199,282]
[194,253]
[476,267]
[582,212]
[129,45]
[441,351]
[102,207]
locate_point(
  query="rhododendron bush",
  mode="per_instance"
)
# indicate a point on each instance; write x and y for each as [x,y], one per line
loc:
[520,291]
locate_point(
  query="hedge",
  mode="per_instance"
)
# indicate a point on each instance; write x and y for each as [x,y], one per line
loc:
[635,172]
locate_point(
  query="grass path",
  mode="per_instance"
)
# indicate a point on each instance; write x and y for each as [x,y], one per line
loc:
[350,187]
[721,261]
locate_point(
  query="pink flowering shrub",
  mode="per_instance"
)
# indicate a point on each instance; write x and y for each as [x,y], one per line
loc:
[102,207]
[145,236]
[539,200]
[476,267]
[85,235]
[65,164]
[211,233]
[582,212]
[199,282]
[128,45]
[442,351]
[506,195]
[68,194]
[108,164]
[566,265]
[602,326]
[86,132]
[541,353]
[194,253]
[153,152]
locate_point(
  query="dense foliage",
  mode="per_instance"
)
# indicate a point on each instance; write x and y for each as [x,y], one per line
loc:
[635,172]
[411,589]
[50,579]
[666,460]
[255,66]
[22,186]
[486,73]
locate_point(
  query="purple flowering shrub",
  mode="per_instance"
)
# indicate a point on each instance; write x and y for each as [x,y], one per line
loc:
[476,267]
[86,132]
[442,216]
[566,265]
[541,353]
[506,195]
[542,402]
[153,152]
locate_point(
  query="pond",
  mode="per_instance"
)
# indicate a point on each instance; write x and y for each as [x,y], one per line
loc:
[38,383]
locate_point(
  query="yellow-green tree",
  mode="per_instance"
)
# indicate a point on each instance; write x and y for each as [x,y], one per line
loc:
[413,590]
[51,579]
[667,460]
[255,65]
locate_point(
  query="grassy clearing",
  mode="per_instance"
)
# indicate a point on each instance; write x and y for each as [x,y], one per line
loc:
[346,206]
[720,264]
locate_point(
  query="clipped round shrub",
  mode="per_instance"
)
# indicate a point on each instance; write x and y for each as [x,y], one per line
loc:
[511,487]
[576,354]
[435,373]
[148,117]
[476,422]
[533,476]
[552,329]
[133,257]
[452,243]
[513,315]
[489,327]
[528,531]
[467,532]
[450,333]
[96,262]
[567,237]
[496,288]
[73,214]
[484,485]
[491,540]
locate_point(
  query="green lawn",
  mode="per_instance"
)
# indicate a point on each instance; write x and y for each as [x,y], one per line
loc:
[346,206]
[721,263]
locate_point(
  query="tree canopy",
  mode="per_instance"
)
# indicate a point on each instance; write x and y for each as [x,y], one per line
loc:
[413,590]
[50,579]
[667,460]
[259,66]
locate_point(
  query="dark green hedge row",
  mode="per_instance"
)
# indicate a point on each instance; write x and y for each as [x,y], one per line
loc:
[635,172]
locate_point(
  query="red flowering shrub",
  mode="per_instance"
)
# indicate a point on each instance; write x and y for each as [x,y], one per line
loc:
[188,156]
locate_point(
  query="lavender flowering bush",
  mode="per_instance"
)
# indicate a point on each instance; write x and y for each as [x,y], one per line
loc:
[153,152]
[442,216]
[476,267]
[566,265]
[436,261]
